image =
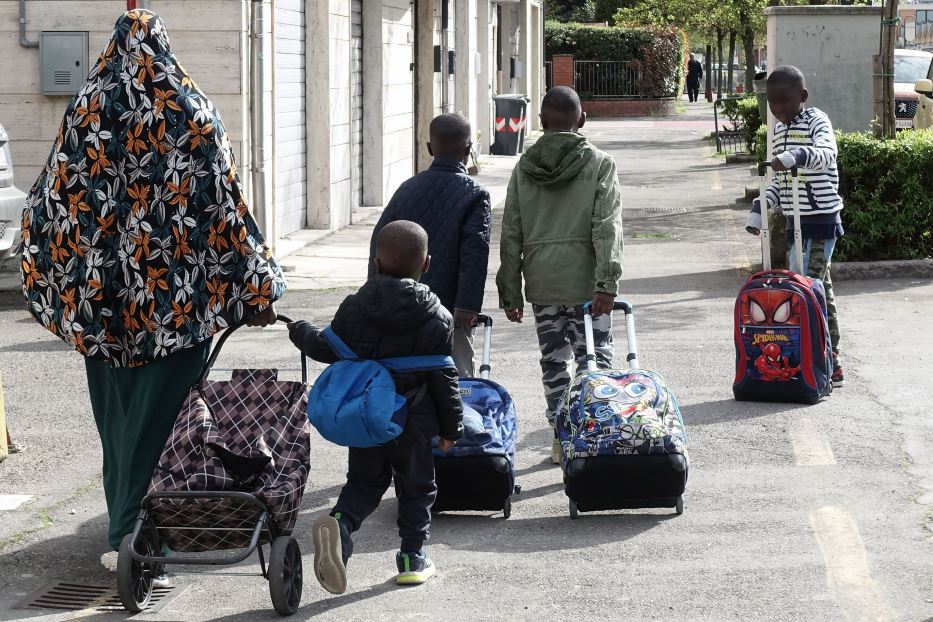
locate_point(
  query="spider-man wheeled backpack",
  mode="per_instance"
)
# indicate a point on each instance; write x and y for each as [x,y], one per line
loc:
[782,346]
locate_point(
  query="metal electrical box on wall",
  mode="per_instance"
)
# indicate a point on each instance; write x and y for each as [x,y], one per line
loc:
[62,62]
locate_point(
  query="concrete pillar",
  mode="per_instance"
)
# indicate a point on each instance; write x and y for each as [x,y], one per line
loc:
[523,67]
[484,91]
[424,79]
[562,72]
[317,102]
[465,91]
[373,104]
[535,67]
[505,46]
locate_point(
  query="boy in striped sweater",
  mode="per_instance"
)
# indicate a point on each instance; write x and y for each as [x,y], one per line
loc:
[804,137]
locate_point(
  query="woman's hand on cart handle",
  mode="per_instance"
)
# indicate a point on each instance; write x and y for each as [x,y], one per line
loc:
[264,318]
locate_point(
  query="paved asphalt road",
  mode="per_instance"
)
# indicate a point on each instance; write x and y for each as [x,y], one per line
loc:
[793,513]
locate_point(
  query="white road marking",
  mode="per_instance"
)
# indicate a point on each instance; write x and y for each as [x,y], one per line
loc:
[811,447]
[717,181]
[11,502]
[848,573]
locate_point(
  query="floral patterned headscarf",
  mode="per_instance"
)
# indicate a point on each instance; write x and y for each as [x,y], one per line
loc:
[137,238]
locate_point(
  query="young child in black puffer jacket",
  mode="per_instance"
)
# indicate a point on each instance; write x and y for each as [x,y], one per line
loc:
[392,315]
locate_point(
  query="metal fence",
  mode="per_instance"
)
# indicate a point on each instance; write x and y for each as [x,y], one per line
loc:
[548,74]
[606,78]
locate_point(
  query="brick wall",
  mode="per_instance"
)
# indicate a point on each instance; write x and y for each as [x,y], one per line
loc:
[563,75]
[562,70]
[628,107]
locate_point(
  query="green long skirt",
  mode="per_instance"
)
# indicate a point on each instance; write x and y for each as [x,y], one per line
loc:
[135,410]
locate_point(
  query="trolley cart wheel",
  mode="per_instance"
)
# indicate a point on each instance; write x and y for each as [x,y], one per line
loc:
[134,578]
[573,510]
[285,575]
[679,508]
[507,508]
[518,489]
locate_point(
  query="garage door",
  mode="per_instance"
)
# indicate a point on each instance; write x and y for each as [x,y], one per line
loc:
[290,134]
[356,101]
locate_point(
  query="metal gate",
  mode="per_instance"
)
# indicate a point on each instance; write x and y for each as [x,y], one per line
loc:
[356,102]
[290,130]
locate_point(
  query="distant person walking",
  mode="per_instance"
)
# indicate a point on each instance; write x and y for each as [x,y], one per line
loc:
[694,76]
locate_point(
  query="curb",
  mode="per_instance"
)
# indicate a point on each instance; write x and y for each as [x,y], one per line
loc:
[888,270]
[896,269]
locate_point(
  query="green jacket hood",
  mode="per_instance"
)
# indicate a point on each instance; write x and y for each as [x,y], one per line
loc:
[557,158]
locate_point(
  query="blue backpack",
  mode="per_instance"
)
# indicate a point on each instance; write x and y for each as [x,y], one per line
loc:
[354,403]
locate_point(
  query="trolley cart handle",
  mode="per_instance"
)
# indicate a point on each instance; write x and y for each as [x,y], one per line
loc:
[485,368]
[223,340]
[765,233]
[619,305]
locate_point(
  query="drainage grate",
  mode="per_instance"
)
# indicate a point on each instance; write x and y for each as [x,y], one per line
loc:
[660,210]
[65,596]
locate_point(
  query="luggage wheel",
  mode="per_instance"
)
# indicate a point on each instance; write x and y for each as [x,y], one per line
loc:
[134,578]
[573,510]
[507,508]
[518,489]
[285,575]
[679,508]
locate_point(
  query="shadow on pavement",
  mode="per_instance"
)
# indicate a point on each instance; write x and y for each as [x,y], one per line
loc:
[318,607]
[46,345]
[729,410]
[543,534]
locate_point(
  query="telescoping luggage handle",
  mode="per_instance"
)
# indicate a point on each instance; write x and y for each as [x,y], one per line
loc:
[226,335]
[765,235]
[620,305]
[485,368]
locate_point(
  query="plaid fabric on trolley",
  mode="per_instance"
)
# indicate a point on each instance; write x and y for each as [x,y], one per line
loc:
[248,434]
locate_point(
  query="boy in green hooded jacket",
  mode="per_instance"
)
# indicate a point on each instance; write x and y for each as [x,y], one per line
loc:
[562,232]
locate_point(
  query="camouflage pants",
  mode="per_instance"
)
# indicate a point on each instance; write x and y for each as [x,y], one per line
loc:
[778,224]
[561,338]
[817,260]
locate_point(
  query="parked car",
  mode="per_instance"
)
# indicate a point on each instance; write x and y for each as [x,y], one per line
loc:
[924,118]
[910,66]
[11,201]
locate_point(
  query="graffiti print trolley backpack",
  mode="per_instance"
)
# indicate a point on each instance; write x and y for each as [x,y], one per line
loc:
[782,345]
[622,436]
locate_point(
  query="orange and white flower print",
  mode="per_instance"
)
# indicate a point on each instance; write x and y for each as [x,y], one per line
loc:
[137,239]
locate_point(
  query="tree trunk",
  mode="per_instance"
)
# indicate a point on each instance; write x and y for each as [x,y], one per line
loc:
[888,32]
[709,72]
[720,35]
[731,61]
[748,42]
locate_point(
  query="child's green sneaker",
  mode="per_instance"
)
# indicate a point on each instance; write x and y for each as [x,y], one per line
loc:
[413,568]
[332,549]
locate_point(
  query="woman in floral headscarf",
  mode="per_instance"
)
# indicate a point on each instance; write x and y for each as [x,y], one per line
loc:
[138,247]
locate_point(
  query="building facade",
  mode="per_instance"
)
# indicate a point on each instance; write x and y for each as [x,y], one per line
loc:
[915,30]
[327,102]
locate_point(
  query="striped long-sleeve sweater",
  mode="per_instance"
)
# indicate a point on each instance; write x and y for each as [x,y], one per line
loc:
[810,139]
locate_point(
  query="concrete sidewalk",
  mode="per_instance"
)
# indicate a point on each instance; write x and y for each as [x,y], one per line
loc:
[340,258]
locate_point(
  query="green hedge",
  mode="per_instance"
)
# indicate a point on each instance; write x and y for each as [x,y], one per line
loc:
[888,193]
[661,51]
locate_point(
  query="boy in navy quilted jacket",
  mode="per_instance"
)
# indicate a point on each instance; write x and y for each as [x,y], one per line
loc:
[804,137]
[392,315]
[455,212]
